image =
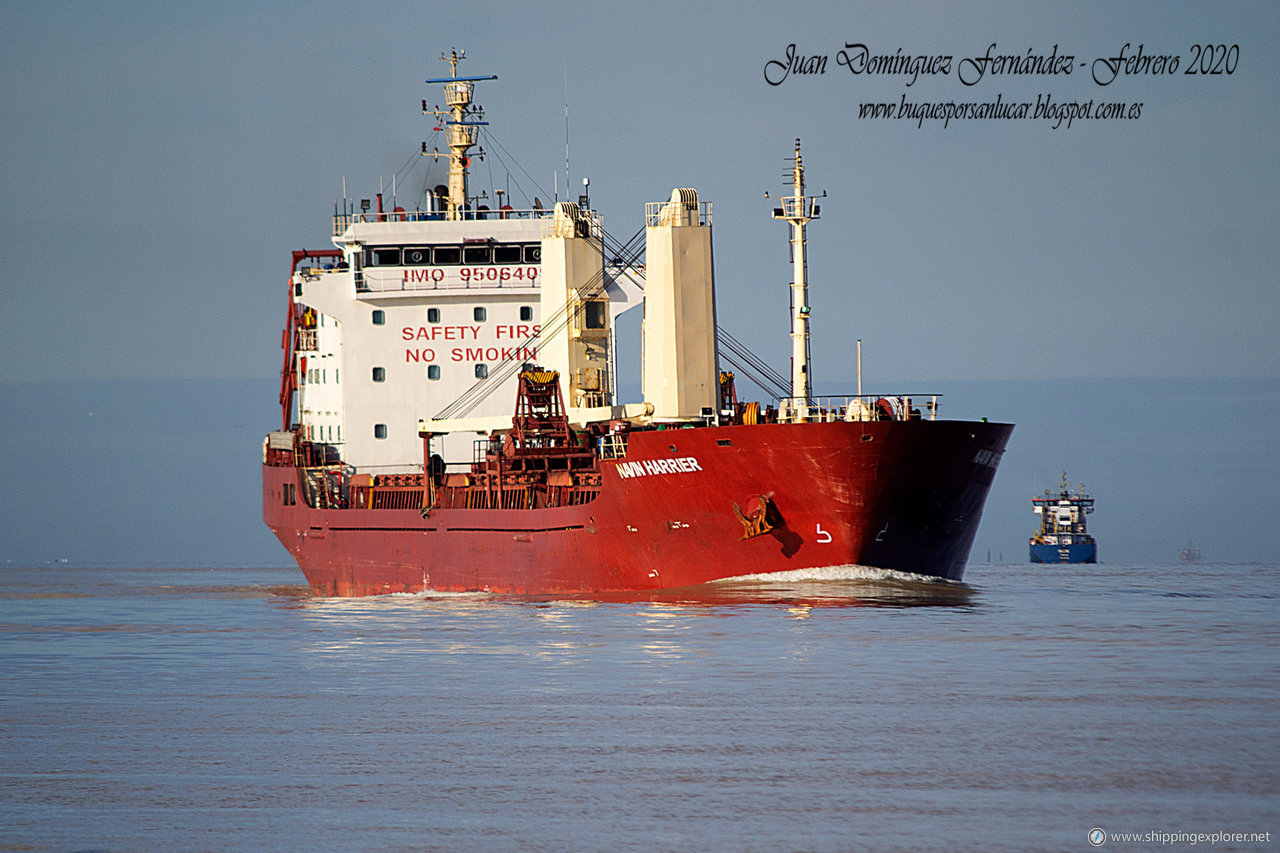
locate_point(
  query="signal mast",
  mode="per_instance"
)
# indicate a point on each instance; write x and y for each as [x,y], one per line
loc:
[463,124]
[799,209]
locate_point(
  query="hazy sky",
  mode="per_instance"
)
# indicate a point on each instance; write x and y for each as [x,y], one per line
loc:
[161,160]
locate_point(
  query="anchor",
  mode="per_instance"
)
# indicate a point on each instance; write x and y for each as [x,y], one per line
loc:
[759,522]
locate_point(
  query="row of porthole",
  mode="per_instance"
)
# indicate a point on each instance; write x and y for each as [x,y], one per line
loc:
[479,314]
[379,431]
[433,372]
[318,433]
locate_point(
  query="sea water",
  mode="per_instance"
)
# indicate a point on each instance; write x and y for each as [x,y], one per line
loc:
[219,709]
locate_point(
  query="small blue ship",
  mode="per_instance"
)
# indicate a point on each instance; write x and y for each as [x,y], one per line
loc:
[1062,537]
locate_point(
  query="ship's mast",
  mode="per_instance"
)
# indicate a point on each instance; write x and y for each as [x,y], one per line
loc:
[462,124]
[799,209]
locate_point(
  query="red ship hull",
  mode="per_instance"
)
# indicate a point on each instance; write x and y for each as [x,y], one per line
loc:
[899,495]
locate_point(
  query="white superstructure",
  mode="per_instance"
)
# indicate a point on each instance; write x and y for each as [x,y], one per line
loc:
[420,322]
[428,306]
[417,313]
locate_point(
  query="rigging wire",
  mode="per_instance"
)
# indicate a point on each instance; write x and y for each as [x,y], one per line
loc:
[760,367]
[753,368]
[595,287]
[508,367]
[407,169]
[511,161]
[747,373]
[625,256]
[403,171]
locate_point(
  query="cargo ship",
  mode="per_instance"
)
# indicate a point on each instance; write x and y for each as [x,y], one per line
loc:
[450,422]
[1063,537]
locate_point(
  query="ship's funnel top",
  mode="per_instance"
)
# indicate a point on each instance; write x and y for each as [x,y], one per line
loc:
[567,220]
[682,209]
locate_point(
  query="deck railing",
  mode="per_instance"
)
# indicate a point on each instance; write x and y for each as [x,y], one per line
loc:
[867,407]
[343,221]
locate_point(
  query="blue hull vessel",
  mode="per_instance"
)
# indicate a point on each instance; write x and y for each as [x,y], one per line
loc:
[1062,537]
[1079,552]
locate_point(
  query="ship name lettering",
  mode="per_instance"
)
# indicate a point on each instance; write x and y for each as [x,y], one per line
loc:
[649,467]
[990,458]
[493,354]
[432,333]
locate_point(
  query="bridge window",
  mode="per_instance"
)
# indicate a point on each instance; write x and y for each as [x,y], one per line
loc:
[471,253]
[506,253]
[382,257]
[447,255]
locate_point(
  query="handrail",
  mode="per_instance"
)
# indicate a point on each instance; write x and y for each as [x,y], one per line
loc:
[853,407]
[656,212]
[343,221]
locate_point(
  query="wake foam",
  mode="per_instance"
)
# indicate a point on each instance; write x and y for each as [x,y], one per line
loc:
[849,572]
[438,594]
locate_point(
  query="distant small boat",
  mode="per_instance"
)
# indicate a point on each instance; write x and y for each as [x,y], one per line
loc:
[1189,554]
[1062,537]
